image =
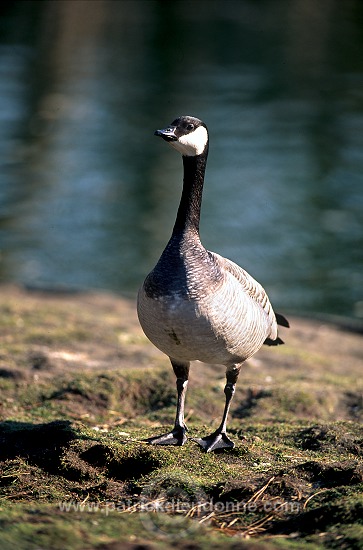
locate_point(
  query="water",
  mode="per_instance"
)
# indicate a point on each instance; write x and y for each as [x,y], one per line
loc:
[88,196]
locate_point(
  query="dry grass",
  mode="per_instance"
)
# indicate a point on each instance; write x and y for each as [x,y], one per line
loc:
[81,388]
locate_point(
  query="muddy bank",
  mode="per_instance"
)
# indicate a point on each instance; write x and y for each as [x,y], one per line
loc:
[81,387]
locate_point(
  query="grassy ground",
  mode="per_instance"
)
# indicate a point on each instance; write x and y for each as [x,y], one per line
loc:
[81,387]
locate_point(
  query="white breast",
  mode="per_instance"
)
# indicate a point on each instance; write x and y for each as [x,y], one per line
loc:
[221,327]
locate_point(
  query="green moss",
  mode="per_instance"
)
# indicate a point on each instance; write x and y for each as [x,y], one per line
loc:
[81,390]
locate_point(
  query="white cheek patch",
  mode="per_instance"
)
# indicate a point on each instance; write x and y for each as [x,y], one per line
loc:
[192,144]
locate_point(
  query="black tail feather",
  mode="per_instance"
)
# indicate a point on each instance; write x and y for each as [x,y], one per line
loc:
[281,320]
[277,342]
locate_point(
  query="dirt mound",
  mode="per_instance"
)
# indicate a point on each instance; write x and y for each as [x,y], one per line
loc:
[81,389]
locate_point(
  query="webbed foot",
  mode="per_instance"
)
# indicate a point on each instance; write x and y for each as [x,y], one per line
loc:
[176,437]
[215,441]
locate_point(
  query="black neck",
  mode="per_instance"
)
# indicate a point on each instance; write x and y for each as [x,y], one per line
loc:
[188,215]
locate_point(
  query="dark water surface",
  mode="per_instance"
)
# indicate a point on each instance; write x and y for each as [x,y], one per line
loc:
[88,196]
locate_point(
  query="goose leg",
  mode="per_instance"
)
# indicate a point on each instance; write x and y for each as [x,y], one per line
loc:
[178,435]
[219,439]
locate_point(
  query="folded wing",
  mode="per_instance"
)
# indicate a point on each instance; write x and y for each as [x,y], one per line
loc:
[257,293]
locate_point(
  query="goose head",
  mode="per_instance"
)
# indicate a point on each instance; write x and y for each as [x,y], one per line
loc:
[187,134]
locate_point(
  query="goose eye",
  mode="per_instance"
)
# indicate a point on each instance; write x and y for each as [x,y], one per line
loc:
[190,127]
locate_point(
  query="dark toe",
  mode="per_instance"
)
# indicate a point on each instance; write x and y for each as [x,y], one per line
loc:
[175,437]
[214,442]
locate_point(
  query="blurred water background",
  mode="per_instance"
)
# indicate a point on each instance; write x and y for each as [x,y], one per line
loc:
[88,195]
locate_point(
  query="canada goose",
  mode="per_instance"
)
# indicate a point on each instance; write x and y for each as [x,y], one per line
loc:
[197,305]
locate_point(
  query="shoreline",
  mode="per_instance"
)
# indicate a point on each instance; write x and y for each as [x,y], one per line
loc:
[82,388]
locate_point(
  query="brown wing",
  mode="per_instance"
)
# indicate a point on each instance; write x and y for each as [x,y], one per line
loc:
[253,289]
